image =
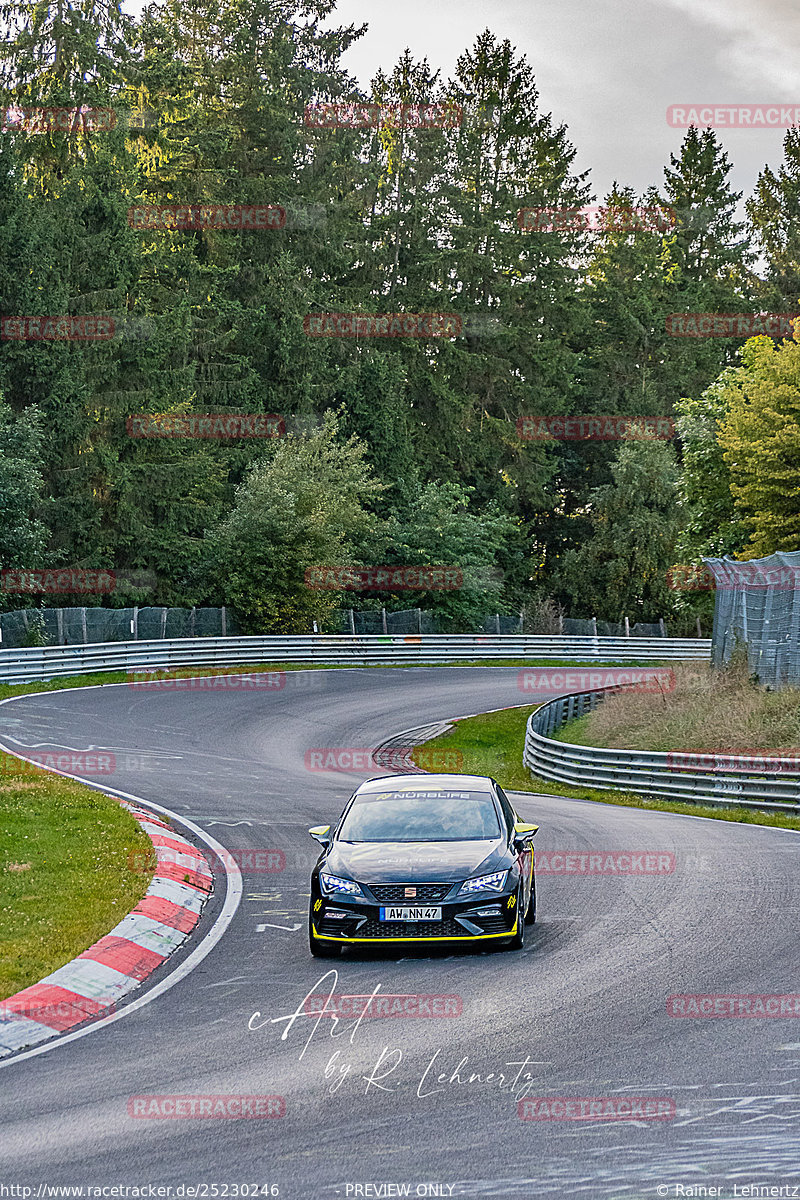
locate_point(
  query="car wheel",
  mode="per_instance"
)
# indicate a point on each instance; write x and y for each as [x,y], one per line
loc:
[518,940]
[321,949]
[530,915]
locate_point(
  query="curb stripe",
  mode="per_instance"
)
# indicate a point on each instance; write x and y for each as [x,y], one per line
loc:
[135,961]
[184,875]
[167,912]
[89,985]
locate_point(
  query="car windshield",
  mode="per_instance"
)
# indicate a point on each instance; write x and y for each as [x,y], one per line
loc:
[421,815]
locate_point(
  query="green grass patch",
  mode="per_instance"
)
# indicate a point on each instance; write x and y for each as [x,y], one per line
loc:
[73,862]
[492,744]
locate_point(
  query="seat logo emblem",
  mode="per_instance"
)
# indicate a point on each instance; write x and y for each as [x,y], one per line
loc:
[409,893]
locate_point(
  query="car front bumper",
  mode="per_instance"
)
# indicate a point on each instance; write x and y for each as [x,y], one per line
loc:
[463,920]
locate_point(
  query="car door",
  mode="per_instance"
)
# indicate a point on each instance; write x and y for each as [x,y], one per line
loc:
[525,858]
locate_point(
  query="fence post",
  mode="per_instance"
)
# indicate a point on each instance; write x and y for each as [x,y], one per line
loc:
[661,626]
[193,623]
[419,620]
[383,620]
[163,622]
[594,626]
[136,622]
[352,622]
[224,616]
[627,628]
[60,625]
[83,626]
[699,628]
[497,623]
[560,624]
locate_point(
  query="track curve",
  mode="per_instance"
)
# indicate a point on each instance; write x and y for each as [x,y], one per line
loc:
[583,1006]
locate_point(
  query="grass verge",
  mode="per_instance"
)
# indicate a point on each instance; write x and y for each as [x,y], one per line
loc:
[66,877]
[708,710]
[492,744]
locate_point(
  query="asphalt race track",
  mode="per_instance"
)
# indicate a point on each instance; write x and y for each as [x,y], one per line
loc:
[581,1011]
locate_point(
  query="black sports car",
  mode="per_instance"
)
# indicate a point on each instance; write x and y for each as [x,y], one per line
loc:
[423,858]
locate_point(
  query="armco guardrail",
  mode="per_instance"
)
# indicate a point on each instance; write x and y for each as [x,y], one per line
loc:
[51,662]
[676,775]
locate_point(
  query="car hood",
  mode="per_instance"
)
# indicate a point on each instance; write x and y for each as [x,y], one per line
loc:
[414,862]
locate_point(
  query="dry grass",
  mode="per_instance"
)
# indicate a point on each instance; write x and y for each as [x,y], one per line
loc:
[706,710]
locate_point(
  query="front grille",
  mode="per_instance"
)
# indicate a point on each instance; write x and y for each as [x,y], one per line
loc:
[413,929]
[396,892]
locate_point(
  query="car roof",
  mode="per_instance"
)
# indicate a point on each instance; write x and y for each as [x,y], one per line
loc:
[475,783]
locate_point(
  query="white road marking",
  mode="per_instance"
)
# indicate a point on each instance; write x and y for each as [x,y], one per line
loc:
[267,925]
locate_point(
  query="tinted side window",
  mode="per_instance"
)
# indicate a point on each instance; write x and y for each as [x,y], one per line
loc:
[507,807]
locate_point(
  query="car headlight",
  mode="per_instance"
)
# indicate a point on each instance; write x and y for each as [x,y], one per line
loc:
[484,883]
[333,885]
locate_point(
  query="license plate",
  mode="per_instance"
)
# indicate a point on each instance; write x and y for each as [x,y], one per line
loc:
[407,913]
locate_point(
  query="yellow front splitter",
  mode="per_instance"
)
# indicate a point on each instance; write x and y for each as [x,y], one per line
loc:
[477,937]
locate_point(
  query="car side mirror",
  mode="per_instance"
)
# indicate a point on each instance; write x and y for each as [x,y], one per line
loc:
[321,834]
[524,832]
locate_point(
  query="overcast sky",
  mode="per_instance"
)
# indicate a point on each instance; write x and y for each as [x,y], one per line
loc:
[610,68]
